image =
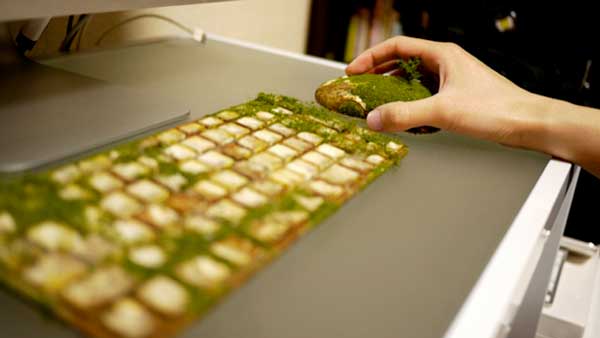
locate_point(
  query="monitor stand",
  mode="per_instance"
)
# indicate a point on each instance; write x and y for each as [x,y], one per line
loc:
[49,116]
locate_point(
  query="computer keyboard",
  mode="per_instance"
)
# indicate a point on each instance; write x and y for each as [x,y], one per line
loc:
[141,239]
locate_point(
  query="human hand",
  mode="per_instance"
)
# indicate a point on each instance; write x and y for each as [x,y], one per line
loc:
[472,98]
[475,100]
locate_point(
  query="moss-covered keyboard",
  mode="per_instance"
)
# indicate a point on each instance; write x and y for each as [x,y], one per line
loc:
[140,240]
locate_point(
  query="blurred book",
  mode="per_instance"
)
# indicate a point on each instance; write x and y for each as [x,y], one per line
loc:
[358,34]
[368,27]
[351,38]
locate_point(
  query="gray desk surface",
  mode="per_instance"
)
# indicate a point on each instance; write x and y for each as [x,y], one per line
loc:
[397,260]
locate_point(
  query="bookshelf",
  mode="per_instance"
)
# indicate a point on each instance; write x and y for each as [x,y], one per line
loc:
[545,48]
[340,32]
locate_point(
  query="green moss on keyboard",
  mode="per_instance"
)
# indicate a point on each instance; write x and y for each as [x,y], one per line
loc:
[357,95]
[160,229]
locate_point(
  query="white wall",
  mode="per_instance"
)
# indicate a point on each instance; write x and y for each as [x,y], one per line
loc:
[277,23]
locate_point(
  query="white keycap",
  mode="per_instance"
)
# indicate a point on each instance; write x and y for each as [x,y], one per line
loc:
[170,136]
[268,160]
[161,216]
[305,169]
[331,151]
[227,210]
[148,191]
[268,136]
[7,223]
[310,138]
[339,175]
[193,167]
[120,204]
[129,319]
[228,115]
[165,295]
[198,143]
[318,159]
[203,271]
[216,160]
[356,164]
[284,152]
[210,121]
[375,159]
[253,143]
[229,179]
[92,290]
[148,256]
[281,129]
[202,225]
[66,174]
[250,198]
[235,129]
[209,190]
[130,170]
[219,136]
[325,189]
[191,128]
[132,231]
[250,122]
[265,116]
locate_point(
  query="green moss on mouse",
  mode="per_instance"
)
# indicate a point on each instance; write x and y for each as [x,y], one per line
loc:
[357,95]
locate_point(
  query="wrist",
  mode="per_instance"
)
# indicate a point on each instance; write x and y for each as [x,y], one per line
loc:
[533,118]
[564,130]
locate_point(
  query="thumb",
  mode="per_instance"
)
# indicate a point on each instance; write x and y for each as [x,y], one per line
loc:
[400,116]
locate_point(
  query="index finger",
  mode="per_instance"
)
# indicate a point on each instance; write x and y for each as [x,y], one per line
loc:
[392,49]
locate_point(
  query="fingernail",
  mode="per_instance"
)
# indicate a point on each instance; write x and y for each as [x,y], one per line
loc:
[374,120]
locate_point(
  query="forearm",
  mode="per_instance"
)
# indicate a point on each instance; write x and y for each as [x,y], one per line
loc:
[566,131]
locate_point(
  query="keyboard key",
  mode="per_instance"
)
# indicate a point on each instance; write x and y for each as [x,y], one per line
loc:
[235,250]
[203,271]
[201,225]
[210,121]
[120,204]
[284,152]
[148,191]
[229,179]
[199,144]
[133,231]
[268,136]
[219,136]
[331,151]
[147,256]
[253,143]
[131,170]
[191,128]
[298,144]
[228,115]
[170,136]
[227,210]
[319,160]
[311,138]
[194,167]
[235,129]
[281,129]
[128,319]
[100,287]
[216,160]
[338,174]
[164,295]
[265,116]
[249,198]
[250,122]
[209,190]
